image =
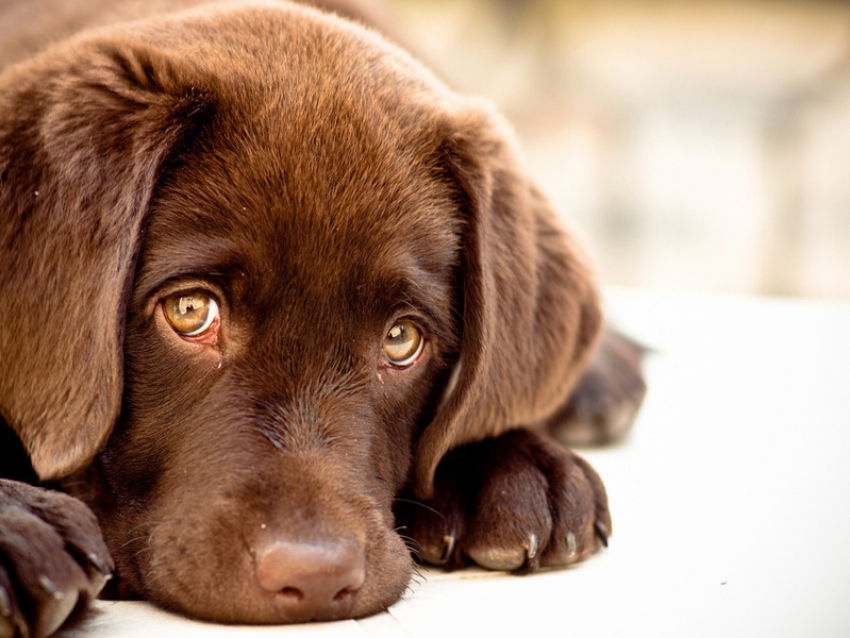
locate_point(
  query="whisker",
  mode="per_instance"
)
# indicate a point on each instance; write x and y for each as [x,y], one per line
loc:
[427,507]
[413,546]
[152,523]
[155,525]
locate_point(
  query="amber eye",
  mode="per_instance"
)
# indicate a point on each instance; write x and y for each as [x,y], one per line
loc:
[190,314]
[403,344]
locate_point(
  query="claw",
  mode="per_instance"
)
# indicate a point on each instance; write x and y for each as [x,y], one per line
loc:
[450,540]
[531,548]
[436,555]
[50,587]
[5,603]
[571,545]
[601,532]
[98,563]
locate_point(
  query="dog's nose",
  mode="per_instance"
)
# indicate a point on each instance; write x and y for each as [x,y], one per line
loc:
[311,581]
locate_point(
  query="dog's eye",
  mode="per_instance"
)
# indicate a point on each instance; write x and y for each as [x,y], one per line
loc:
[403,344]
[191,314]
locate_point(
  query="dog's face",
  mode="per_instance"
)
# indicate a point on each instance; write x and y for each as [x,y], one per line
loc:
[282,399]
[298,271]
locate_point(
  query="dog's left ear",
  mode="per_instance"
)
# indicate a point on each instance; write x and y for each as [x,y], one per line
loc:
[84,133]
[530,308]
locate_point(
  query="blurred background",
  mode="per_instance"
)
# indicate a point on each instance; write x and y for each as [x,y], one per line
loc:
[694,144]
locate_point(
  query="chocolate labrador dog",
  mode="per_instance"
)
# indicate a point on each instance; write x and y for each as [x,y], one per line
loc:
[278,311]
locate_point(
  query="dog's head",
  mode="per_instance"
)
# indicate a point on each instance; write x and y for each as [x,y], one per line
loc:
[260,272]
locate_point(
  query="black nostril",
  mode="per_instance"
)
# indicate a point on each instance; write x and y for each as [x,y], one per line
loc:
[311,581]
[342,594]
[292,592]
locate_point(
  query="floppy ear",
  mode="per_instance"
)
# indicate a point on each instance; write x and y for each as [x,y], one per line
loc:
[530,308]
[84,131]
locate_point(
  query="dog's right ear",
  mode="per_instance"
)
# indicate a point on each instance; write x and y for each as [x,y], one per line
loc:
[84,132]
[530,307]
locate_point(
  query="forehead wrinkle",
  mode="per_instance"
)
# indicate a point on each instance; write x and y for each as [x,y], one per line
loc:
[196,255]
[405,283]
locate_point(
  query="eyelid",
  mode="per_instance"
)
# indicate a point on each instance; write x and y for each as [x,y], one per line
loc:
[186,287]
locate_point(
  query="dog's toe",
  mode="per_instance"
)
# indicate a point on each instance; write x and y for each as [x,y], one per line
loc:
[42,582]
[434,529]
[12,621]
[438,553]
[54,559]
[511,513]
[506,558]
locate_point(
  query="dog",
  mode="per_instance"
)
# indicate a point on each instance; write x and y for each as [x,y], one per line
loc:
[279,312]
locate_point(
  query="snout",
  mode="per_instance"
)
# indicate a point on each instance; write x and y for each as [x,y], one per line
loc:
[278,576]
[304,534]
[318,580]
[242,554]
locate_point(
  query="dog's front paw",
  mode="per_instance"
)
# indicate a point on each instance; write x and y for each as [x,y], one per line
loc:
[52,559]
[515,502]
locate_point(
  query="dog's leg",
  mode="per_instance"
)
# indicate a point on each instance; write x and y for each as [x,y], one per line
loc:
[53,559]
[605,401]
[515,502]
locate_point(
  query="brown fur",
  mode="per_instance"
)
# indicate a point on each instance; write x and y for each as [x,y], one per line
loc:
[320,185]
